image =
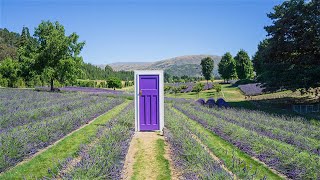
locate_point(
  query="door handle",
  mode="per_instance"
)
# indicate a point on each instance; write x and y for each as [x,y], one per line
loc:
[140,92]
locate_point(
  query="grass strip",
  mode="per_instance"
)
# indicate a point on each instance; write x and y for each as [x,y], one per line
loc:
[140,163]
[38,166]
[163,163]
[227,152]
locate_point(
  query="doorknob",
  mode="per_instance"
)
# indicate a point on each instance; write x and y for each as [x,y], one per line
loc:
[140,92]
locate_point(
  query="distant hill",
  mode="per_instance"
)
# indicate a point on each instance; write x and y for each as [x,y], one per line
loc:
[177,66]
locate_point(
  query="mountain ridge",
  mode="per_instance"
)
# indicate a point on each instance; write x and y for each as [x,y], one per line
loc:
[177,66]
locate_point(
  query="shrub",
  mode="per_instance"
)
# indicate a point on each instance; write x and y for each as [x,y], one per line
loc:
[218,88]
[198,87]
[20,83]
[114,82]
[4,82]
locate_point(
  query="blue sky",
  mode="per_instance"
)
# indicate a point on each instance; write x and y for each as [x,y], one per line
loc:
[148,30]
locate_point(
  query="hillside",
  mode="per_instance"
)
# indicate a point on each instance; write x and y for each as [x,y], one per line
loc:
[8,44]
[177,66]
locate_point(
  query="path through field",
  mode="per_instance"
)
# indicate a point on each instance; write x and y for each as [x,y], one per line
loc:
[148,158]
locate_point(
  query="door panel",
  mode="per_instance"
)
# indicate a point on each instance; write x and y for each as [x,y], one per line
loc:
[149,102]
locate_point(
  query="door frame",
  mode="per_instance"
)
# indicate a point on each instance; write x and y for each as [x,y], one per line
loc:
[137,73]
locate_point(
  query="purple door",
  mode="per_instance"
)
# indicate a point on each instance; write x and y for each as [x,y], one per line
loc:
[149,102]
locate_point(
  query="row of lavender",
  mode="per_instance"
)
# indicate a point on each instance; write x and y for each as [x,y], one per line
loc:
[84,89]
[104,159]
[187,87]
[252,89]
[33,120]
[188,155]
[290,145]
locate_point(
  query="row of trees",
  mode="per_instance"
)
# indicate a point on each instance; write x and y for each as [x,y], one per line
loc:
[168,78]
[90,71]
[238,67]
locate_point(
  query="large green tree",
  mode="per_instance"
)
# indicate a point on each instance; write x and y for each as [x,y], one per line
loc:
[207,67]
[244,65]
[58,54]
[227,67]
[291,57]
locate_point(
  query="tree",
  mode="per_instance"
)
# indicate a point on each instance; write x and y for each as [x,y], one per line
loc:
[167,77]
[108,69]
[260,57]
[9,69]
[244,65]
[58,54]
[114,83]
[291,57]
[26,56]
[227,67]
[207,68]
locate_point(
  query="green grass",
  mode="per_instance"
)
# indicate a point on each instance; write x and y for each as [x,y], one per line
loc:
[163,163]
[228,92]
[139,164]
[68,147]
[224,151]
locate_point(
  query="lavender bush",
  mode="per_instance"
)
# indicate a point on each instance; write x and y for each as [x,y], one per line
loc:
[251,89]
[189,86]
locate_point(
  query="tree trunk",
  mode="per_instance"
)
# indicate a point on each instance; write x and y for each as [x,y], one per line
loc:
[51,84]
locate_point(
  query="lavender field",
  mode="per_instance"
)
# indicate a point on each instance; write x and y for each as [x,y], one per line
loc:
[205,143]
[289,145]
[33,120]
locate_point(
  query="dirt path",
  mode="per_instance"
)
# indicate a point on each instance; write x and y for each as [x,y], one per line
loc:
[145,160]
